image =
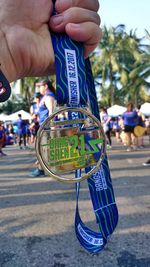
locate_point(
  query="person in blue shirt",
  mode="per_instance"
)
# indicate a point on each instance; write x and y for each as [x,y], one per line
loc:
[47,100]
[2,139]
[9,139]
[34,110]
[46,106]
[130,121]
[21,126]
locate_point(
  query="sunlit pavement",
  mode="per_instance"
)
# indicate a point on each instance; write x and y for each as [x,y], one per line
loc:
[37,214]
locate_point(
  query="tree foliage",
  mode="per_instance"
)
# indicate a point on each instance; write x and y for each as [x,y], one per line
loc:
[122,67]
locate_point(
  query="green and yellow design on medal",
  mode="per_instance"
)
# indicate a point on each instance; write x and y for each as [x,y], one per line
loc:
[72,149]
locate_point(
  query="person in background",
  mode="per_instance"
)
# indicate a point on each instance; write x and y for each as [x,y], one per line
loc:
[21,132]
[116,128]
[10,135]
[130,121]
[140,122]
[46,107]
[15,130]
[2,139]
[105,120]
[34,110]
[34,126]
[9,139]
[47,100]
[10,130]
[28,133]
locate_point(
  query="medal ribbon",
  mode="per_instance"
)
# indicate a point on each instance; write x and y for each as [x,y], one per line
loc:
[74,81]
[101,192]
[70,71]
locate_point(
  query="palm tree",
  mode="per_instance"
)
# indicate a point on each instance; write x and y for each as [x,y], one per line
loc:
[26,88]
[122,65]
[107,65]
[135,67]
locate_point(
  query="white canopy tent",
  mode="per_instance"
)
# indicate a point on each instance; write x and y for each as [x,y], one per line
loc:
[116,110]
[13,117]
[3,117]
[145,109]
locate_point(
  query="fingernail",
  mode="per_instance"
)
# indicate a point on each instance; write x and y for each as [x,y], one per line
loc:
[57,19]
[75,26]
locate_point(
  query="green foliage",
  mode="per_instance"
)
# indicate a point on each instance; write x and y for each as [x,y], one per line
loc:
[13,105]
[122,67]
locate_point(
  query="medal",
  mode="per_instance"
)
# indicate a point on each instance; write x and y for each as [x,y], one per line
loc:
[77,142]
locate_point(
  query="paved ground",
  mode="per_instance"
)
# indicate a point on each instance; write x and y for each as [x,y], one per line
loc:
[37,214]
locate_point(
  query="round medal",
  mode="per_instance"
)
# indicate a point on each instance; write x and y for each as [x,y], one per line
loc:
[70,139]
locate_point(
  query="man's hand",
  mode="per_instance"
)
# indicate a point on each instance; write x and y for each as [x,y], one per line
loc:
[80,20]
[26,43]
[26,47]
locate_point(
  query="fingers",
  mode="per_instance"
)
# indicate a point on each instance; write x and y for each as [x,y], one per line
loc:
[62,5]
[90,38]
[73,15]
[80,20]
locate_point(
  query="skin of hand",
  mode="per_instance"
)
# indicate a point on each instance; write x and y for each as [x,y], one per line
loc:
[26,47]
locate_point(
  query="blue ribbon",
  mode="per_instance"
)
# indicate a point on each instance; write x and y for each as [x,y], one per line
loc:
[67,50]
[74,86]
[106,208]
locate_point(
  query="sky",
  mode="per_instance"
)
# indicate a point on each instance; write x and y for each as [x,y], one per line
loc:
[135,14]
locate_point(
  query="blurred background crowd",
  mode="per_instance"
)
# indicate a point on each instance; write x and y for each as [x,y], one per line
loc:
[127,124]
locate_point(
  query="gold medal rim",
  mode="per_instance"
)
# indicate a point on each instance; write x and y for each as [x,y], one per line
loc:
[40,159]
